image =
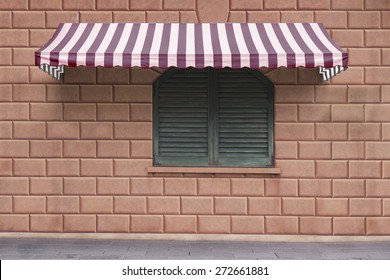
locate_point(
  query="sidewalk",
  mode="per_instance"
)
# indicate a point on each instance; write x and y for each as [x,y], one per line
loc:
[28,248]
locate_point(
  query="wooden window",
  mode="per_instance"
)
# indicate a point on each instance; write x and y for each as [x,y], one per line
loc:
[213,117]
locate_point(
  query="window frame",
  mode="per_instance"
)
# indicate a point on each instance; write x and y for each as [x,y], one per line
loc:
[213,131]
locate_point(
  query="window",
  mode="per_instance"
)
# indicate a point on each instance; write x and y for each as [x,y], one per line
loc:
[213,117]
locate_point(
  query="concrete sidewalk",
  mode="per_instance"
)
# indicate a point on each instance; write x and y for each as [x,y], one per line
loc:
[64,249]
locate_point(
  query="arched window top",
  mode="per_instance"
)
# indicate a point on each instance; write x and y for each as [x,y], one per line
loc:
[213,117]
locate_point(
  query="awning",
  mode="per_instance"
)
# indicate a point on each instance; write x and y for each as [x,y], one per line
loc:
[182,45]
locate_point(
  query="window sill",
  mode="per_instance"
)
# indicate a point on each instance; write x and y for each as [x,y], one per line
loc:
[213,170]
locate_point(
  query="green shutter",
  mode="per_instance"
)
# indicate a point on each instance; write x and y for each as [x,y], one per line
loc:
[245,125]
[181,118]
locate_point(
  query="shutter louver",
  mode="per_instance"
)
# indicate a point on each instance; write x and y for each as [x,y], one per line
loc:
[243,119]
[182,119]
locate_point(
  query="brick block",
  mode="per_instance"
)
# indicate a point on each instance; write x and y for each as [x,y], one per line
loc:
[14,148]
[246,5]
[133,167]
[315,225]
[45,112]
[214,186]
[355,76]
[180,224]
[364,94]
[39,37]
[378,150]
[78,5]
[348,38]
[377,38]
[115,149]
[163,205]
[263,16]
[167,17]
[136,130]
[141,149]
[79,223]
[29,167]
[146,186]
[46,223]
[331,169]
[366,207]
[29,93]
[331,131]
[348,188]
[296,94]
[80,75]
[281,225]
[79,149]
[146,5]
[113,223]
[23,56]
[298,206]
[5,21]
[332,207]
[292,131]
[347,113]
[5,130]
[96,204]
[364,131]
[188,17]
[233,17]
[14,223]
[286,113]
[347,5]
[62,204]
[214,224]
[80,186]
[197,205]
[29,130]
[28,19]
[377,112]
[130,205]
[5,167]
[299,16]
[330,94]
[141,112]
[348,150]
[377,5]
[364,169]
[37,76]
[280,4]
[296,168]
[144,76]
[231,205]
[5,92]
[349,226]
[114,75]
[315,187]
[95,93]
[29,204]
[247,225]
[147,223]
[377,75]
[364,19]
[332,19]
[286,149]
[53,19]
[13,112]
[247,187]
[46,186]
[96,167]
[96,130]
[315,150]
[281,187]
[378,188]
[13,38]
[113,112]
[112,5]
[179,5]
[13,186]
[378,226]
[13,74]
[45,4]
[80,112]
[313,5]
[62,167]
[264,206]
[129,16]
[113,186]
[180,186]
[385,19]
[313,113]
[46,148]
[5,54]
[133,94]
[14,5]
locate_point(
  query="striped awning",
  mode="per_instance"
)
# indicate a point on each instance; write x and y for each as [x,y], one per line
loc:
[182,45]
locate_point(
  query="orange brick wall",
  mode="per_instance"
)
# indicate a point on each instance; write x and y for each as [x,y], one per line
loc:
[73,155]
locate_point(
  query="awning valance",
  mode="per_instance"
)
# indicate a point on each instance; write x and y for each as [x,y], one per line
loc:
[198,45]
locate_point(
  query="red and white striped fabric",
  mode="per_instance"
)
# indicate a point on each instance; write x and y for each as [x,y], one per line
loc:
[184,45]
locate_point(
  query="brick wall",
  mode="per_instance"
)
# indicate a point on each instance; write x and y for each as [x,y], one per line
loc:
[73,155]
